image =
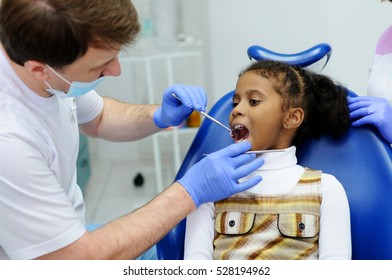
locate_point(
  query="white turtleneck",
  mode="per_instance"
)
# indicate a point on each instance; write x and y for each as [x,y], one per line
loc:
[280,174]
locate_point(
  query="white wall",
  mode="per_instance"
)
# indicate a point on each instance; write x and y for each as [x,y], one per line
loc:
[351,27]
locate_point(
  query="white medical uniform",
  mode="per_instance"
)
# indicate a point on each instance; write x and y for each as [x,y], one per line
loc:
[380,80]
[41,205]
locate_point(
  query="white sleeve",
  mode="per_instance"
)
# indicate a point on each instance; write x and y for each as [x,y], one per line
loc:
[200,232]
[335,229]
[89,106]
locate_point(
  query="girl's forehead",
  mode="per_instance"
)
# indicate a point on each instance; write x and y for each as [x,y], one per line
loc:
[248,85]
[253,79]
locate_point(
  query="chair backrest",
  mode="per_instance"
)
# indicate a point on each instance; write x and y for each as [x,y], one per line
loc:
[361,161]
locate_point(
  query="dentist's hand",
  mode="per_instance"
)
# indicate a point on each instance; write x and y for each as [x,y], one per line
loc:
[216,176]
[374,111]
[174,111]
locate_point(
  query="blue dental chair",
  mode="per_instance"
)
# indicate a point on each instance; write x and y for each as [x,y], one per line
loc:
[361,160]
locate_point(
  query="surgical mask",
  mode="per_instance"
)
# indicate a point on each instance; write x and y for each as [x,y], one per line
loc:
[75,89]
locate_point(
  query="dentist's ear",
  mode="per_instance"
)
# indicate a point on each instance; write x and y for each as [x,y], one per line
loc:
[294,118]
[37,69]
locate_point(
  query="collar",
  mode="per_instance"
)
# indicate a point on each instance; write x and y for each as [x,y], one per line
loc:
[279,160]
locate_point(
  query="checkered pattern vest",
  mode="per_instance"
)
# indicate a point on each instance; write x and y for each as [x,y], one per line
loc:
[270,227]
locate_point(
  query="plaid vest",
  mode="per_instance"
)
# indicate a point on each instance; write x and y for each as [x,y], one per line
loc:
[270,227]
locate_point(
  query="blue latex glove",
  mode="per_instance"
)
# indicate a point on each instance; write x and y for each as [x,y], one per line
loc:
[216,176]
[374,111]
[174,111]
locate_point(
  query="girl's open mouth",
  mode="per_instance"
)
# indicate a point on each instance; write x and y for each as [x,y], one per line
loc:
[239,132]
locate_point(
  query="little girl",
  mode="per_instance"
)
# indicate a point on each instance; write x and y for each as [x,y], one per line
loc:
[295,212]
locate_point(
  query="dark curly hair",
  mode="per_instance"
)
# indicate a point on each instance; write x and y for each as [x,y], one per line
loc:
[324,102]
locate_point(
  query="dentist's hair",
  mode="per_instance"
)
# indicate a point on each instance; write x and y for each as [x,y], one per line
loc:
[323,101]
[57,32]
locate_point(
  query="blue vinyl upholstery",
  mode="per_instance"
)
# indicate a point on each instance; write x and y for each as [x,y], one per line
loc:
[361,160]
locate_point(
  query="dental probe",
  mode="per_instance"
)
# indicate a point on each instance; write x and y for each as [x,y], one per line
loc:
[208,116]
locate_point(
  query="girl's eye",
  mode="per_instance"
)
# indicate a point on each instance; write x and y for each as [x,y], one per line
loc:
[254,102]
[235,102]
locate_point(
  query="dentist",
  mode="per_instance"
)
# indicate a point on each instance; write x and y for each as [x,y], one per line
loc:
[53,53]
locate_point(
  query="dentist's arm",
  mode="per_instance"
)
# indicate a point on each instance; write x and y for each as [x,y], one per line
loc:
[213,178]
[123,122]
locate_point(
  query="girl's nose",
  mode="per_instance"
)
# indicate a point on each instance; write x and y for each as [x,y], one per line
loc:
[237,110]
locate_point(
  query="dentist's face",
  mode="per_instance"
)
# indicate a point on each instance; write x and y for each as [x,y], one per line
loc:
[94,64]
[257,115]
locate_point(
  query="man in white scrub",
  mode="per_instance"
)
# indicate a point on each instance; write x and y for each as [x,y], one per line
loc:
[52,55]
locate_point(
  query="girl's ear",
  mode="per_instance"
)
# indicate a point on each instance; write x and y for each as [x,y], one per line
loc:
[294,118]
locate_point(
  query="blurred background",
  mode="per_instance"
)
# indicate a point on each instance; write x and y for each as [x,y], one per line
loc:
[204,43]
